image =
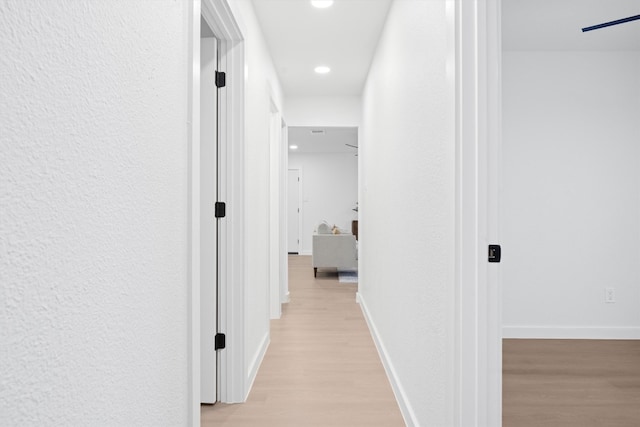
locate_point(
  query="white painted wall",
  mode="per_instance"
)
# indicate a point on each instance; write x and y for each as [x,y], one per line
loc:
[323,111]
[93,223]
[329,191]
[571,194]
[407,210]
[261,86]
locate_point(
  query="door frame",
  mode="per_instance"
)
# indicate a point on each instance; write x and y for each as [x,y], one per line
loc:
[232,383]
[478,133]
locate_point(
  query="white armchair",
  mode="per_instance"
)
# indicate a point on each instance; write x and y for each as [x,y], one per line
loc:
[333,250]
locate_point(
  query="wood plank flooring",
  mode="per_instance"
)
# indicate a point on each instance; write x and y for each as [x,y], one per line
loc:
[322,367]
[568,383]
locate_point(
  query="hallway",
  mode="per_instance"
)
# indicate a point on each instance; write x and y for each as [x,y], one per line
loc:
[321,368]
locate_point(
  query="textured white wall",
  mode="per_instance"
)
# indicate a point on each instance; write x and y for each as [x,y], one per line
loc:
[407,154]
[93,223]
[571,193]
[261,82]
[323,110]
[329,191]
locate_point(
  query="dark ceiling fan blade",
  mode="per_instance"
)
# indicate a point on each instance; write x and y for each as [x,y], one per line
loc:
[609,24]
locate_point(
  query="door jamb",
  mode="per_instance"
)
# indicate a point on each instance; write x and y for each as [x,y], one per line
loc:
[232,385]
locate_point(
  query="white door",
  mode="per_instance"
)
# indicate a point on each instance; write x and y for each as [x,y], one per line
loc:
[208,221]
[293,212]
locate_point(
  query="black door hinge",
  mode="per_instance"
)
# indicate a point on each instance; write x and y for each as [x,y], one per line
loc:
[221,209]
[220,342]
[495,253]
[221,79]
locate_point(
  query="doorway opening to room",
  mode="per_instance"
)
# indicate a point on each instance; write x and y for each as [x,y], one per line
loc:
[322,192]
[570,214]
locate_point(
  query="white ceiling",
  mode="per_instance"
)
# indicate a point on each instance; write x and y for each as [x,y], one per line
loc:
[557,25]
[331,140]
[344,36]
[301,37]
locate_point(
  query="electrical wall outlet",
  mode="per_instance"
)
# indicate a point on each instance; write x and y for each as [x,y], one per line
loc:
[609,295]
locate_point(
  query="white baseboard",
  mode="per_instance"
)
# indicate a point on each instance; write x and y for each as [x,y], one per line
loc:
[305,253]
[593,333]
[256,362]
[405,407]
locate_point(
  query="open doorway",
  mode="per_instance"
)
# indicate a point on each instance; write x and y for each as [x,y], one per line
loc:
[323,183]
[570,211]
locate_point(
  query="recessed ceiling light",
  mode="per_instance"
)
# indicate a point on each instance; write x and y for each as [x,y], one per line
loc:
[322,69]
[293,147]
[321,4]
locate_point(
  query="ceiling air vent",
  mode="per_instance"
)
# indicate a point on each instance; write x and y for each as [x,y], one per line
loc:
[317,132]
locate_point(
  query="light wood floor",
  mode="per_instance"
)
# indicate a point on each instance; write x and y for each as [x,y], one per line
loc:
[570,383]
[322,367]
